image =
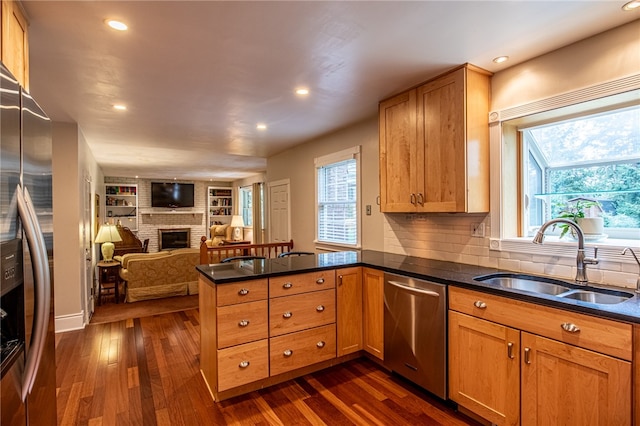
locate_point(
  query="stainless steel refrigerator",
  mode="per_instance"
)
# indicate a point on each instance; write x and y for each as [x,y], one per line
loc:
[28,384]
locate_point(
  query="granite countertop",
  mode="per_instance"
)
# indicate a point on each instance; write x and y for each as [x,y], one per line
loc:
[450,273]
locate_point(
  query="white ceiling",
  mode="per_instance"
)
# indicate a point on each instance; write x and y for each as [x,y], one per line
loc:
[197,76]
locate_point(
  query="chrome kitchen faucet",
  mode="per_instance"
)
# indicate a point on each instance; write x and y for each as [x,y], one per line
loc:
[581,260]
[638,261]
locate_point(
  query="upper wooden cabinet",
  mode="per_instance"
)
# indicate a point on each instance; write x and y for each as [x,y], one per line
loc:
[434,145]
[15,45]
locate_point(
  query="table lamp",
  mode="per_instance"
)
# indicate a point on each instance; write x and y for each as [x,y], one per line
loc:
[237,223]
[107,235]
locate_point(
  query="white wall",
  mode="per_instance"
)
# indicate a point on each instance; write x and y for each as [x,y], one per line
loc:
[297,164]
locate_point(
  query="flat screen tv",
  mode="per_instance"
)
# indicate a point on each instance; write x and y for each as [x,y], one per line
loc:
[172,194]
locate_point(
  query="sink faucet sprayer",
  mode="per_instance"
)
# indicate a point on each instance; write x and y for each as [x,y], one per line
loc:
[581,260]
[638,261]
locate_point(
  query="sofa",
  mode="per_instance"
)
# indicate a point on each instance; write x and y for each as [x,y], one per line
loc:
[219,233]
[162,274]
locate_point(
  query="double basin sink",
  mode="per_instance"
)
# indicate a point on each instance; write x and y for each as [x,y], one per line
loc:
[549,286]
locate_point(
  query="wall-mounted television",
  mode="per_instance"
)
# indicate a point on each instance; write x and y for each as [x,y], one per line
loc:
[172,194]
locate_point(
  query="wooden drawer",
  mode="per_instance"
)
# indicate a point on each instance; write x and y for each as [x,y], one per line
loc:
[242,323]
[241,292]
[301,283]
[302,348]
[239,365]
[295,313]
[598,334]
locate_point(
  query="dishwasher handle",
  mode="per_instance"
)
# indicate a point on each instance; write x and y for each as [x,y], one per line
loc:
[414,289]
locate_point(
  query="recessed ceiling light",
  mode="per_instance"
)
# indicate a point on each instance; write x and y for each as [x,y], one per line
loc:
[117,25]
[120,107]
[302,91]
[632,5]
[261,126]
[500,59]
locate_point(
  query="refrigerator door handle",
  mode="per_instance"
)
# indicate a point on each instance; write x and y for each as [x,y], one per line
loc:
[42,284]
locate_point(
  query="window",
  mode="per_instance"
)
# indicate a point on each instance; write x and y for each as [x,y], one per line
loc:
[337,198]
[246,205]
[592,157]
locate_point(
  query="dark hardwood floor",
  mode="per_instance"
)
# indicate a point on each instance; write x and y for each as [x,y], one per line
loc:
[145,371]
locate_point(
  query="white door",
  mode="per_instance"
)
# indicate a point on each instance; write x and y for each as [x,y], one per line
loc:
[279,220]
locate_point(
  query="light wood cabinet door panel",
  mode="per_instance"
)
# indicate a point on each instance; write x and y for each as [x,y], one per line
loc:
[242,364]
[303,348]
[566,385]
[295,313]
[242,292]
[373,311]
[289,285]
[242,323]
[15,41]
[484,368]
[349,310]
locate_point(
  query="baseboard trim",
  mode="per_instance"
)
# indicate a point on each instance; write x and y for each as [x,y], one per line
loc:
[70,322]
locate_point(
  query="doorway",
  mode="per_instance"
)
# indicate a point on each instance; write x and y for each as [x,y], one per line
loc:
[279,211]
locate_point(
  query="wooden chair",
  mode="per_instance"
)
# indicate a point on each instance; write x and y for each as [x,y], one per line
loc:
[234,258]
[295,253]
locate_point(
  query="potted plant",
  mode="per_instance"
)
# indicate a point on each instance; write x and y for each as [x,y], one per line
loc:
[584,212]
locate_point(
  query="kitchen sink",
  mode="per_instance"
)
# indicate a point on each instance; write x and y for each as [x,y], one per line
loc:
[598,298]
[549,286]
[525,283]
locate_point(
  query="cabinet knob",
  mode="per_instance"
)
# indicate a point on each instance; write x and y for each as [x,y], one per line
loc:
[570,327]
[480,304]
[244,364]
[319,308]
[320,281]
[412,198]
[243,291]
[287,353]
[287,314]
[510,350]
[243,323]
[527,355]
[320,344]
[287,285]
[420,199]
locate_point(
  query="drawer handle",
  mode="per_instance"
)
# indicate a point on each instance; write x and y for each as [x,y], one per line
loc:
[480,304]
[527,355]
[243,364]
[320,344]
[570,327]
[243,291]
[510,350]
[287,315]
[320,281]
[319,308]
[287,285]
[287,353]
[243,323]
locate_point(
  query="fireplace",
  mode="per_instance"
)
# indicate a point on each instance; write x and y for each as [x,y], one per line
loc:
[174,238]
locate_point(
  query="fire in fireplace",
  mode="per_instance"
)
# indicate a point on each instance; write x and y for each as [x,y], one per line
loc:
[174,238]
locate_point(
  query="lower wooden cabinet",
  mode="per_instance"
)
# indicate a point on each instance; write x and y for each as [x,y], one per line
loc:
[242,364]
[373,311]
[297,350]
[349,310]
[510,376]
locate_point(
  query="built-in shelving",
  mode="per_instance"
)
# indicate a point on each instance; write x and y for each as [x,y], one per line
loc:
[121,204]
[219,205]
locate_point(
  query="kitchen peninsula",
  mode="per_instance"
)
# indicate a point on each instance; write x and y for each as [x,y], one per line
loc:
[267,321]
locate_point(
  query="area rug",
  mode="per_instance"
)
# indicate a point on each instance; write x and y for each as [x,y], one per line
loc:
[110,312]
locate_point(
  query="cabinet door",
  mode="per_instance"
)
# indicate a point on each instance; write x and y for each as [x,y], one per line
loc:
[484,368]
[15,42]
[373,311]
[349,310]
[441,150]
[566,385]
[397,132]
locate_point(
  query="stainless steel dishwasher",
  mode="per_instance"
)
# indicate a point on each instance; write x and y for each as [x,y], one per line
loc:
[415,346]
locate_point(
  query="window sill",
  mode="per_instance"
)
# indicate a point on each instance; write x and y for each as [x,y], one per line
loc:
[609,249]
[321,245]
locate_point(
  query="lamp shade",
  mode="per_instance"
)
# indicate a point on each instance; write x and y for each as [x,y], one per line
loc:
[237,222]
[107,235]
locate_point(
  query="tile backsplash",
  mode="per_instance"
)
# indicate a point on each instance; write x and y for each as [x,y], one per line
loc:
[448,237]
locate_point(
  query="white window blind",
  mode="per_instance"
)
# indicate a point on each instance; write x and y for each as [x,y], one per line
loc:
[337,198]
